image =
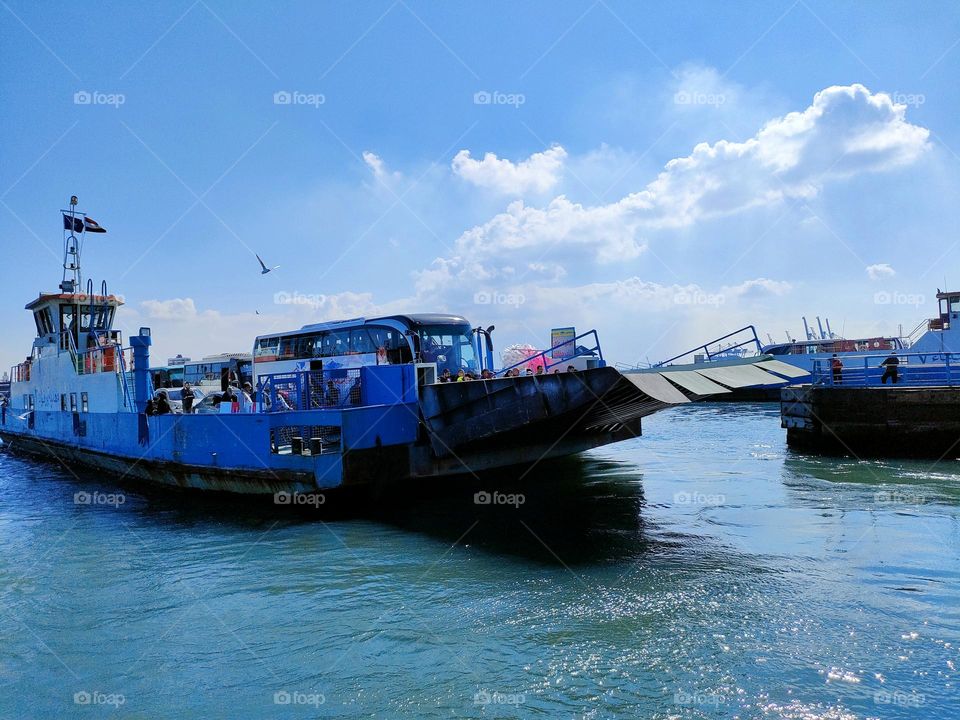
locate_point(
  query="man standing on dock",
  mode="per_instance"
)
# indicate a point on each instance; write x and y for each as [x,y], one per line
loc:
[836,365]
[892,365]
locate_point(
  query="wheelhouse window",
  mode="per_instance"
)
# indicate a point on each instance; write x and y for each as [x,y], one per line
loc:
[44,321]
[68,327]
[449,346]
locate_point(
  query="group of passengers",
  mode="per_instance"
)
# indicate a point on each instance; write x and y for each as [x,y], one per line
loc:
[462,375]
[232,393]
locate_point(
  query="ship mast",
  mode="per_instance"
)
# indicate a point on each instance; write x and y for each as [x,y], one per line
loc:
[72,248]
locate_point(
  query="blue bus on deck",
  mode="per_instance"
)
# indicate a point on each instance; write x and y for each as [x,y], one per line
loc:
[447,342]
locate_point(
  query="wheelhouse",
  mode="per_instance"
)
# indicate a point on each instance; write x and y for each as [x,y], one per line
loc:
[949,310]
[74,321]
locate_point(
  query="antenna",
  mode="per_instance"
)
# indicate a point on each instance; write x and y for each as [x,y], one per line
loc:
[72,248]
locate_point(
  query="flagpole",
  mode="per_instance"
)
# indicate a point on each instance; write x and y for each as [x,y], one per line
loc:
[72,249]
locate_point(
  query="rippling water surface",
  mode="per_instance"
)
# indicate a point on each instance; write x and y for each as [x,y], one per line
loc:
[701,571]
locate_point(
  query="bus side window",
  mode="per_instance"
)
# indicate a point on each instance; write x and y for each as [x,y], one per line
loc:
[327,345]
[360,341]
[267,346]
[288,347]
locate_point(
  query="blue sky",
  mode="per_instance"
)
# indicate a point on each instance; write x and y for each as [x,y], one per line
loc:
[662,172]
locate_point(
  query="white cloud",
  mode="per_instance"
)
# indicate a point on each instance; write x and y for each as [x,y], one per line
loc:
[844,132]
[179,326]
[379,168]
[880,271]
[179,309]
[759,287]
[538,173]
[636,294]
[374,162]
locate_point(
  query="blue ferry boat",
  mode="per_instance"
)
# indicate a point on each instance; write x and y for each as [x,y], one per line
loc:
[334,404]
[798,362]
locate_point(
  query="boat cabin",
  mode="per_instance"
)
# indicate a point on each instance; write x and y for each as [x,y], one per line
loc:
[74,321]
[949,306]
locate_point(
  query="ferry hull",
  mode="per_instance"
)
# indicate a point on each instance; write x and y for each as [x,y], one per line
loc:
[450,429]
[161,473]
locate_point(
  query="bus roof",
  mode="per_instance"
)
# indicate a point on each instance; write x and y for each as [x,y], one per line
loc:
[219,357]
[412,320]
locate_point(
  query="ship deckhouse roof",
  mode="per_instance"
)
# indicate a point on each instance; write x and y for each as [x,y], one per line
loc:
[75,299]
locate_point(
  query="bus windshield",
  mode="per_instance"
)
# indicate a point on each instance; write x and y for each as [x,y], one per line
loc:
[449,346]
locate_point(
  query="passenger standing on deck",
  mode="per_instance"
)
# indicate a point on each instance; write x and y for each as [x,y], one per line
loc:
[246,399]
[836,366]
[332,397]
[892,365]
[187,396]
[282,401]
[162,406]
[461,375]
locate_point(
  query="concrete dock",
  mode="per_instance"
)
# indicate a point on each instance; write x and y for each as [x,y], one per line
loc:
[873,421]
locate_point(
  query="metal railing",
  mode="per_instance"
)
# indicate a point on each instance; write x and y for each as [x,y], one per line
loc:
[21,372]
[721,350]
[104,359]
[918,331]
[912,370]
[308,390]
[578,351]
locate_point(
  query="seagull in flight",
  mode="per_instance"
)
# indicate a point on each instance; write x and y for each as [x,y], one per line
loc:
[265,269]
